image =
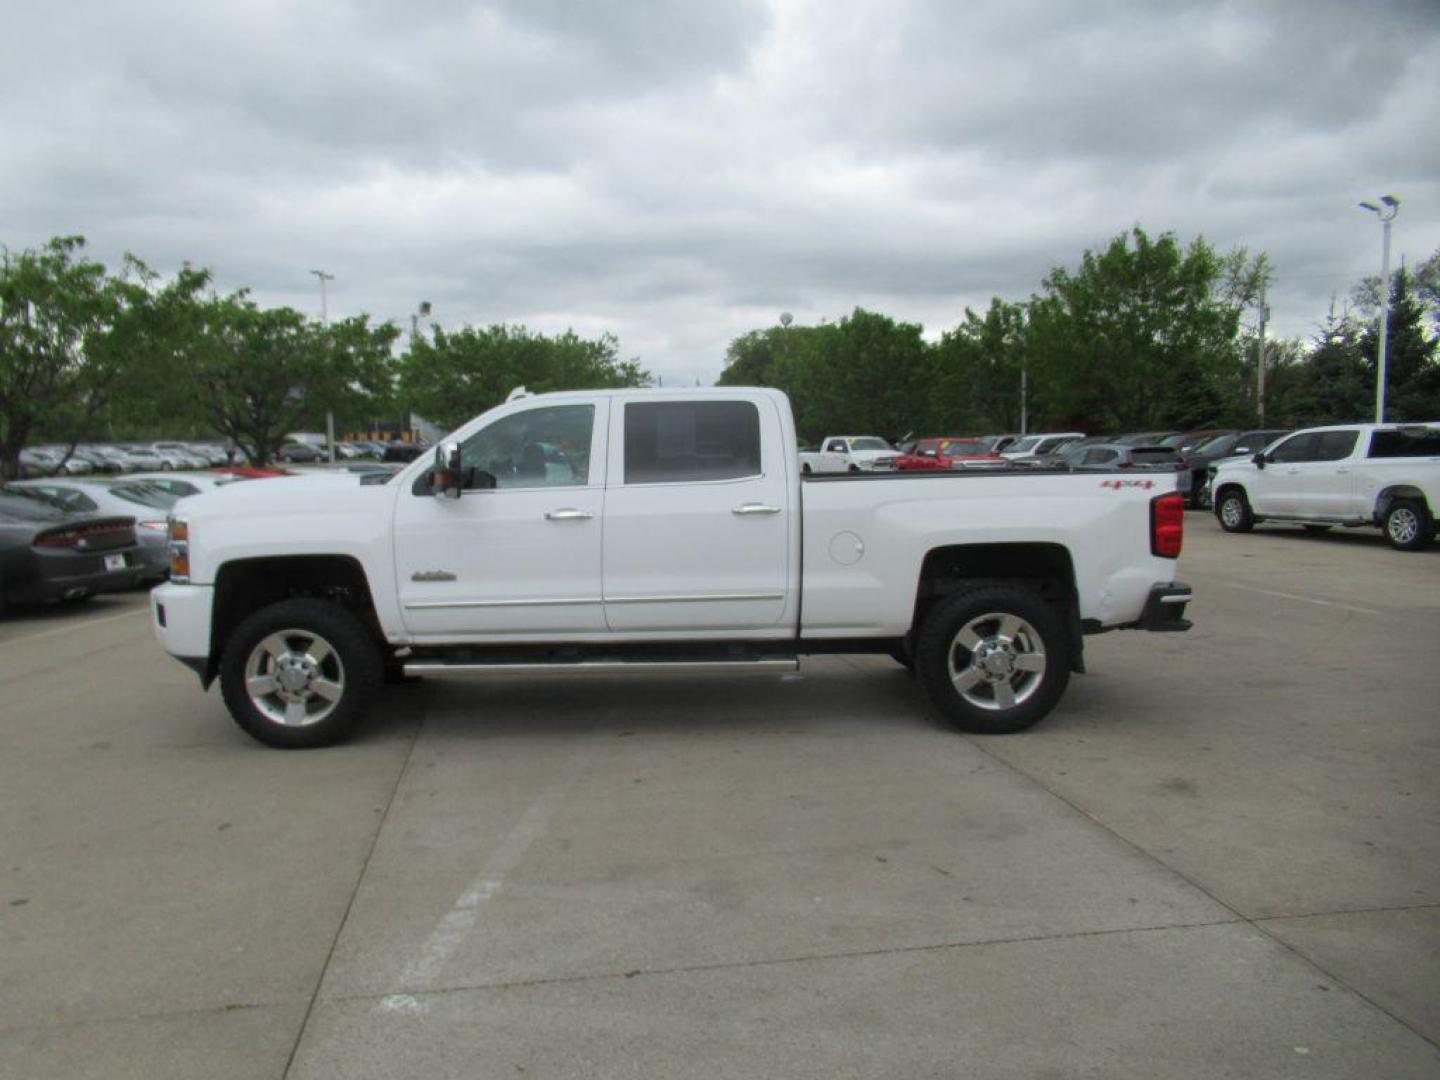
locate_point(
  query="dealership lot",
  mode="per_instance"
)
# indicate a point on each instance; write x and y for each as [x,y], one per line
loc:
[1221,856]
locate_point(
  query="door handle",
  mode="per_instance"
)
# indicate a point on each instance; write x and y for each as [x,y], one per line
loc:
[568,514]
[755,508]
[1342,469]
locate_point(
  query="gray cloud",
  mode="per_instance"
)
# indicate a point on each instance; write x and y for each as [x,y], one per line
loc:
[679,173]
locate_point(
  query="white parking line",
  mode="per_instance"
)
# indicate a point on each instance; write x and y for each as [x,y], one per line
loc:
[1305,599]
[451,931]
[72,627]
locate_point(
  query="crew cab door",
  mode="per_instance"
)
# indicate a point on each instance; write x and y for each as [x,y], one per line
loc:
[522,557]
[1327,484]
[1275,489]
[698,517]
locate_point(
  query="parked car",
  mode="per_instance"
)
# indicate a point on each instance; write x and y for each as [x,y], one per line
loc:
[1144,438]
[402,452]
[97,461]
[299,453]
[1103,457]
[1187,441]
[181,455]
[189,484]
[1031,448]
[135,457]
[1351,475]
[1200,459]
[148,505]
[850,453]
[47,554]
[999,443]
[949,453]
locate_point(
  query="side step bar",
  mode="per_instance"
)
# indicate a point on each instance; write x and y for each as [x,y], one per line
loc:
[774,665]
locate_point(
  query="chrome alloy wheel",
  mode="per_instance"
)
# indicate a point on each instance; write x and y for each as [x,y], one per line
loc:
[1403,525]
[997,661]
[294,678]
[1232,510]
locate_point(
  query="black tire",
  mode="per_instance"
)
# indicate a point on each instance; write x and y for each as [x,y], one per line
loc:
[352,668]
[1233,512]
[1035,629]
[901,655]
[854,468]
[1407,525]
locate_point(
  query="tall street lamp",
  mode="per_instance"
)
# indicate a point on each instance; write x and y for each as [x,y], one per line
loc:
[325,321]
[1391,207]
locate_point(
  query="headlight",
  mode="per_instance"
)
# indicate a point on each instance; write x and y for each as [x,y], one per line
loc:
[179,538]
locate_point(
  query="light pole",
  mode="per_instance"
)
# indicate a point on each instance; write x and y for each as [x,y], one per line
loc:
[1387,215]
[421,312]
[325,322]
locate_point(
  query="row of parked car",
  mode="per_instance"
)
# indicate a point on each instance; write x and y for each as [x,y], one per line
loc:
[167,455]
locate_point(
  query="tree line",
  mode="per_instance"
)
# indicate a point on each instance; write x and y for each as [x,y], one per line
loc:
[1145,334]
[91,355]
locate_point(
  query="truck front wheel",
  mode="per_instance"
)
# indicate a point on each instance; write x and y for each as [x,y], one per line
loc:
[993,659]
[300,673]
[1234,512]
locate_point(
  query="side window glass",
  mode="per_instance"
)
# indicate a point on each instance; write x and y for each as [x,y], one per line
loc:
[1335,445]
[1099,457]
[536,448]
[1424,442]
[835,446]
[669,442]
[1296,448]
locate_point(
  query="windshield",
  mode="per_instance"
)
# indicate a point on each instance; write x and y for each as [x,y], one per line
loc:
[961,447]
[1023,446]
[1219,444]
[145,495]
[869,444]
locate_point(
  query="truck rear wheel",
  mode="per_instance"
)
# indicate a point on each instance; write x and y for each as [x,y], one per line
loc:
[993,659]
[300,673]
[1407,525]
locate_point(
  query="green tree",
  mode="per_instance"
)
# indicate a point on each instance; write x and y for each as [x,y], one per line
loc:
[263,372]
[1412,380]
[75,339]
[1142,335]
[977,372]
[451,376]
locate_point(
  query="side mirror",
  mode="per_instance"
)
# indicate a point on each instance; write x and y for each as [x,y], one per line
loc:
[1259,460]
[447,481]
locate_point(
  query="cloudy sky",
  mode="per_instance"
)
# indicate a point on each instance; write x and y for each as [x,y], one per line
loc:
[679,172]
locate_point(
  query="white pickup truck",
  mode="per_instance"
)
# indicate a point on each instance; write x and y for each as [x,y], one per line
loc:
[650,531]
[1349,474]
[849,453]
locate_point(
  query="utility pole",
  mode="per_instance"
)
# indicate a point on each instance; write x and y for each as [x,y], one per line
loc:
[1386,216]
[325,322]
[1260,357]
[1024,374]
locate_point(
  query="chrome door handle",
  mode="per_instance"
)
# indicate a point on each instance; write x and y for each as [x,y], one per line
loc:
[755,508]
[568,514]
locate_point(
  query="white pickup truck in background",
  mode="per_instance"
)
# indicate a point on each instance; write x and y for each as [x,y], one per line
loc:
[651,531]
[1349,474]
[849,453]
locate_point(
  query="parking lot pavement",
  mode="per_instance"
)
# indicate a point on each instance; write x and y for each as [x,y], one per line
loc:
[1219,857]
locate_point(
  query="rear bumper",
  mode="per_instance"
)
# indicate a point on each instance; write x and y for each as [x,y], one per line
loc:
[1165,608]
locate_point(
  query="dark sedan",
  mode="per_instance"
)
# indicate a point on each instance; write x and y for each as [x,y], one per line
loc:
[47,554]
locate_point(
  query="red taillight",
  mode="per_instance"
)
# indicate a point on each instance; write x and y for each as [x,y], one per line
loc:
[1167,525]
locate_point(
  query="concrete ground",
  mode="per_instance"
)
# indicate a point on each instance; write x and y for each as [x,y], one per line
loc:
[1219,857]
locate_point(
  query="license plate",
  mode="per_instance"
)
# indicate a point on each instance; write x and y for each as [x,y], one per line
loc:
[114,562]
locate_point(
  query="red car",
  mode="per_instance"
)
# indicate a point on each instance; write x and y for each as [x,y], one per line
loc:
[948,453]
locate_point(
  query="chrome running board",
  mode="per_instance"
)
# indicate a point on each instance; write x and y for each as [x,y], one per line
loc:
[773,665]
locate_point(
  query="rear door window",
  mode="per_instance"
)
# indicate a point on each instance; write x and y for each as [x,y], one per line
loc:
[1393,444]
[1335,445]
[679,441]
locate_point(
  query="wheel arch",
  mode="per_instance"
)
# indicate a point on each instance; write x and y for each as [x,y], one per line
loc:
[244,586]
[1045,568]
[1388,495]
